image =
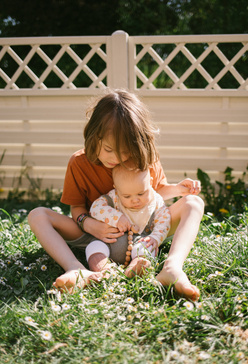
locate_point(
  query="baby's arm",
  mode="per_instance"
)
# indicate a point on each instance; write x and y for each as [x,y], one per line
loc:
[151,242]
[161,222]
[100,210]
[123,223]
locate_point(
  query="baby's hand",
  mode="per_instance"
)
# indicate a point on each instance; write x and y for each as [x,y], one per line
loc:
[123,224]
[151,242]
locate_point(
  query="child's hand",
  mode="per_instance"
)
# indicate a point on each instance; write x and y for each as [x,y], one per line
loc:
[191,187]
[151,242]
[123,224]
[102,231]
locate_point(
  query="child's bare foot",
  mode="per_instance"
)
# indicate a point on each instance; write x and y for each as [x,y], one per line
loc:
[170,276]
[79,278]
[138,266]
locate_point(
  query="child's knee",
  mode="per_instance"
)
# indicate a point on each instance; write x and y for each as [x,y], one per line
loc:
[36,214]
[196,203]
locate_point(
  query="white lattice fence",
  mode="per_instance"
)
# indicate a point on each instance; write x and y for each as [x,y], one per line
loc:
[162,61]
[46,85]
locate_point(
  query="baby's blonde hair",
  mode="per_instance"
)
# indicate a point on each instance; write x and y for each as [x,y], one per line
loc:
[127,170]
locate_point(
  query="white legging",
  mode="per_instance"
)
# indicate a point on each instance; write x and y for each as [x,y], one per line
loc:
[139,249]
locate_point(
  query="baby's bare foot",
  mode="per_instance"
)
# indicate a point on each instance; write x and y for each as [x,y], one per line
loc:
[109,270]
[169,276]
[79,278]
[138,266]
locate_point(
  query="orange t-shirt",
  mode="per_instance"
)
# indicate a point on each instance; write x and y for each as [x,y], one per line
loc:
[86,181]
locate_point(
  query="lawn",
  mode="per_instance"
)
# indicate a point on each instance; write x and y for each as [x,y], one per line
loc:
[124,320]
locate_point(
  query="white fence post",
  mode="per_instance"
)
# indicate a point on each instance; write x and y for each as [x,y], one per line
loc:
[118,60]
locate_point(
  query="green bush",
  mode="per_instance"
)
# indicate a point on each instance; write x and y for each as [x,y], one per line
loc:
[224,199]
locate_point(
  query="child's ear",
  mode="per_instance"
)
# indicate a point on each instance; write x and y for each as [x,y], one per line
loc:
[114,187]
[151,180]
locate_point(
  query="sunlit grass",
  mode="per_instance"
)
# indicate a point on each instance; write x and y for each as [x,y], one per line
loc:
[125,320]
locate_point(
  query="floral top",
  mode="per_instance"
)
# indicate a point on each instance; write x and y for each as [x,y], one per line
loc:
[160,226]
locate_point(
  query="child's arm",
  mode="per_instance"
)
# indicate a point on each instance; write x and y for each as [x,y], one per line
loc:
[100,230]
[183,188]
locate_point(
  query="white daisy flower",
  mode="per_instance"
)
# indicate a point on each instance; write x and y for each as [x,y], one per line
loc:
[56,308]
[189,305]
[46,335]
[204,356]
[30,321]
[129,300]
[43,267]
[65,306]
[121,318]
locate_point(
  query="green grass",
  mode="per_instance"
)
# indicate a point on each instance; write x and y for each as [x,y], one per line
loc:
[125,320]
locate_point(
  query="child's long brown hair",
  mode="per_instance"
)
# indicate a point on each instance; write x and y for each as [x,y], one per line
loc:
[126,117]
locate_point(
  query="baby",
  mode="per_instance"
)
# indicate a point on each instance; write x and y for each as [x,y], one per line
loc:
[132,205]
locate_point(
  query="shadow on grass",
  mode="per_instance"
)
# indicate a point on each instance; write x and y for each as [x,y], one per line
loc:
[29,276]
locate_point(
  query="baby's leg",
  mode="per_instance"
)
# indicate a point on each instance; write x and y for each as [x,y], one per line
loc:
[140,262]
[186,215]
[79,278]
[97,255]
[138,266]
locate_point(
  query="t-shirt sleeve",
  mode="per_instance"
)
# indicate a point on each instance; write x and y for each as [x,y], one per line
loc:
[73,194]
[158,175]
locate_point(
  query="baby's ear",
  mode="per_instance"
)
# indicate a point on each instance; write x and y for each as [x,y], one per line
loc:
[151,180]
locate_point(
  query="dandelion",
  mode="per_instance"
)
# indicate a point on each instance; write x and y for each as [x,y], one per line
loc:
[224,211]
[30,321]
[43,267]
[46,335]
[189,305]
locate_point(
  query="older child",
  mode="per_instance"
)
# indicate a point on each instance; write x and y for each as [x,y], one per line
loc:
[133,204]
[119,129]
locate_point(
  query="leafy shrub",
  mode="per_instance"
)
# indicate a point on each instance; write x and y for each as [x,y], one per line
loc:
[224,199]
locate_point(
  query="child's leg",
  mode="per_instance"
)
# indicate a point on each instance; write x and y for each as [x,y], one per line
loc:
[186,215]
[51,229]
